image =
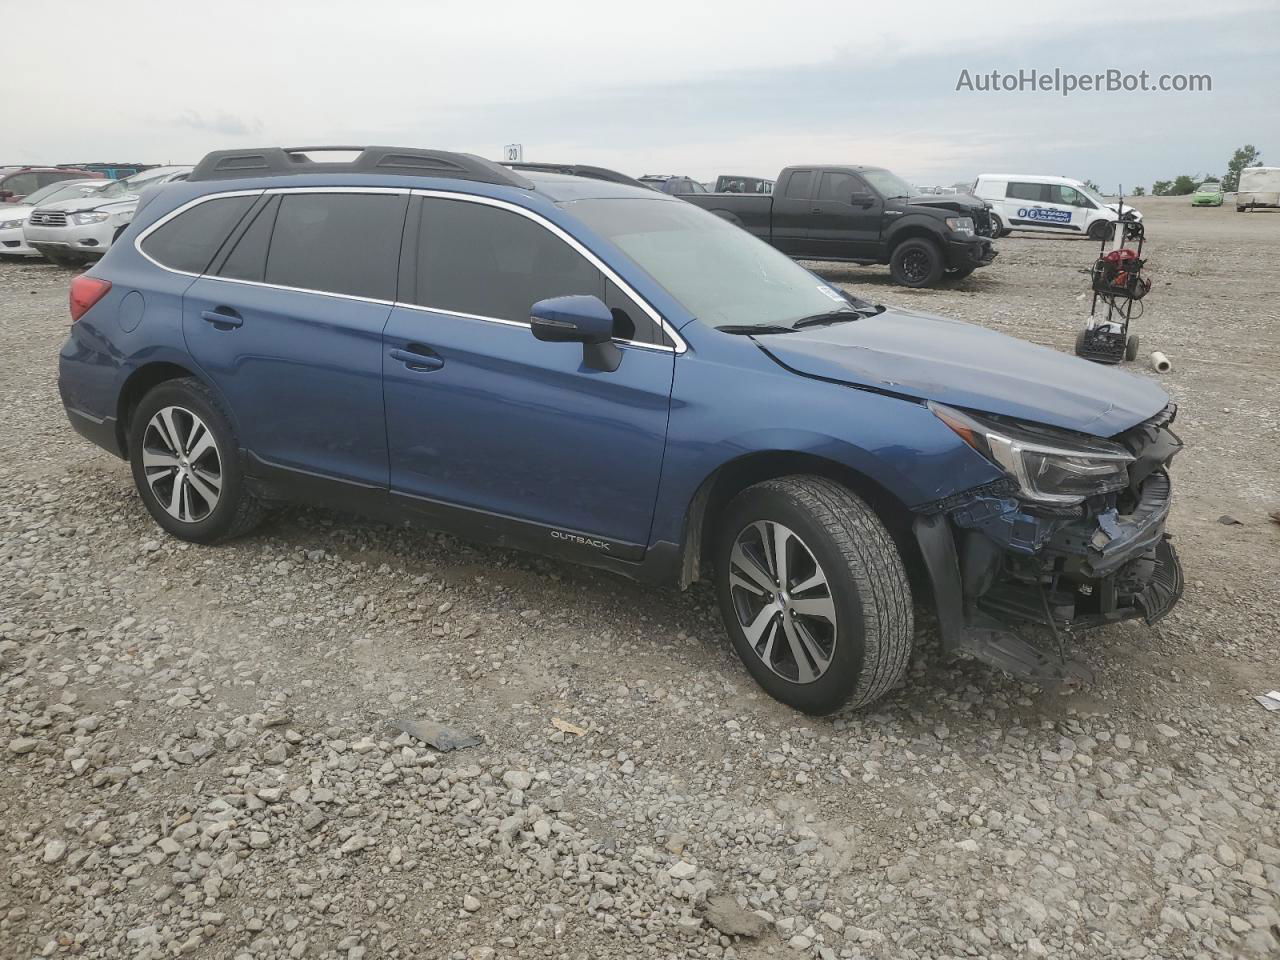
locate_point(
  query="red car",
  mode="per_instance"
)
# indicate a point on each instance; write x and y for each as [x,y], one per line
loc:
[17,182]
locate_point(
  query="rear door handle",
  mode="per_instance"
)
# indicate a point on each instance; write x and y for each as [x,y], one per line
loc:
[418,357]
[222,317]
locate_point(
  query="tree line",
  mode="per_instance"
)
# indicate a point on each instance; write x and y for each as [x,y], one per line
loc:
[1185,183]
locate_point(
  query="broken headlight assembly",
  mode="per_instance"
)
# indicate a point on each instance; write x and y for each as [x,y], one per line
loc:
[1050,466]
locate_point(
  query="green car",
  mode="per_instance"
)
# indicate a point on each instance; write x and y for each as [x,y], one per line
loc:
[1208,194]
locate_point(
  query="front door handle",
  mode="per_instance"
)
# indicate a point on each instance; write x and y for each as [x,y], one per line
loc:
[418,357]
[222,317]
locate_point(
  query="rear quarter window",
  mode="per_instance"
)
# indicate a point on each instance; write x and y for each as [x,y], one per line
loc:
[189,241]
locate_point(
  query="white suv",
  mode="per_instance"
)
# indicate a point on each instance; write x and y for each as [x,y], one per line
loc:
[73,231]
[1053,204]
[14,215]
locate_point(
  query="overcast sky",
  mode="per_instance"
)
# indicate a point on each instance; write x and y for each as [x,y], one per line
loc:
[718,86]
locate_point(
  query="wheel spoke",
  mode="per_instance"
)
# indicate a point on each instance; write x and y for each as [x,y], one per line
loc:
[200,483]
[811,646]
[817,579]
[748,565]
[203,443]
[176,498]
[158,458]
[754,631]
[781,540]
[804,669]
[737,580]
[822,607]
[168,430]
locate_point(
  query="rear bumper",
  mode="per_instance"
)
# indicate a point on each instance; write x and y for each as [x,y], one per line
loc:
[970,253]
[101,430]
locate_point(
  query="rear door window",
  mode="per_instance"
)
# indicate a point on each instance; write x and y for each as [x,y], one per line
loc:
[800,185]
[248,258]
[344,243]
[491,263]
[189,241]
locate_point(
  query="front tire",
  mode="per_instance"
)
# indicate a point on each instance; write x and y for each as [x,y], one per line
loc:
[186,464]
[998,229]
[813,594]
[916,263]
[58,260]
[1100,230]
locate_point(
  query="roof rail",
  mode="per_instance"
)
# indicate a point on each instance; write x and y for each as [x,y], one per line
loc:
[578,170]
[393,161]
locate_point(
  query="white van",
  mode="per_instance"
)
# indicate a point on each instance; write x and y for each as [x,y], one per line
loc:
[1259,187]
[1050,204]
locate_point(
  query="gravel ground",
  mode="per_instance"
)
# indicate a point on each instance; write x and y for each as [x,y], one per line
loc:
[201,753]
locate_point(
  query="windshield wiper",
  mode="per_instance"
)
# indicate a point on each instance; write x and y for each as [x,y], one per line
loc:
[752,328]
[831,316]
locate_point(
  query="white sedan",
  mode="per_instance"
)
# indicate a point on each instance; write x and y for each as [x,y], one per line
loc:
[14,215]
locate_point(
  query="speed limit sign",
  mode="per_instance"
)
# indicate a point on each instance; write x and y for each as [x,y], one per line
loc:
[513,152]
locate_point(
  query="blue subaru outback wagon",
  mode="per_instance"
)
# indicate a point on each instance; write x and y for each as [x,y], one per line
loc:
[616,377]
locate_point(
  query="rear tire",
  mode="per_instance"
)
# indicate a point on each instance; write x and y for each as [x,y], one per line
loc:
[186,464]
[1080,338]
[831,626]
[916,263]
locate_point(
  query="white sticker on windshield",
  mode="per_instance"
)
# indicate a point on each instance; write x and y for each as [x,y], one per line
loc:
[831,292]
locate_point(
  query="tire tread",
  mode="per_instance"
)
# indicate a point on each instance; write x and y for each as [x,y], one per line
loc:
[874,563]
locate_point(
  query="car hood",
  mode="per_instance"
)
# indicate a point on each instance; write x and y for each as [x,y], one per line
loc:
[955,202]
[1128,211]
[965,365]
[83,204]
[15,211]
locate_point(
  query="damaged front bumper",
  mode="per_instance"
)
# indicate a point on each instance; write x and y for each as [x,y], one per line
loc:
[996,562]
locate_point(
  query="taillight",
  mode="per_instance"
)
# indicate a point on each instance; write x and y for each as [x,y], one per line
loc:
[85,292]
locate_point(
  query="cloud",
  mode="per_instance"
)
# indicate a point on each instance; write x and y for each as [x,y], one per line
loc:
[741,85]
[226,124]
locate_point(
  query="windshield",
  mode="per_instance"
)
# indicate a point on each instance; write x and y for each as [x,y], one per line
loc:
[132,186]
[1210,186]
[889,184]
[64,190]
[1092,194]
[720,273]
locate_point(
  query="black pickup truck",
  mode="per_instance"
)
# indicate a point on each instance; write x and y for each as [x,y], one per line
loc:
[858,214]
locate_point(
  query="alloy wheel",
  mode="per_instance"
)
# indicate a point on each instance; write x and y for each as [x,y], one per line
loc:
[182,464]
[915,265]
[783,601]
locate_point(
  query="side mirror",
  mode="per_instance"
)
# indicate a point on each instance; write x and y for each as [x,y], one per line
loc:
[578,319]
[5,195]
[862,198]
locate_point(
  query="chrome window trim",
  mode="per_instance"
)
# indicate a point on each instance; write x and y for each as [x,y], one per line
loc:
[679,344]
[581,249]
[137,241]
